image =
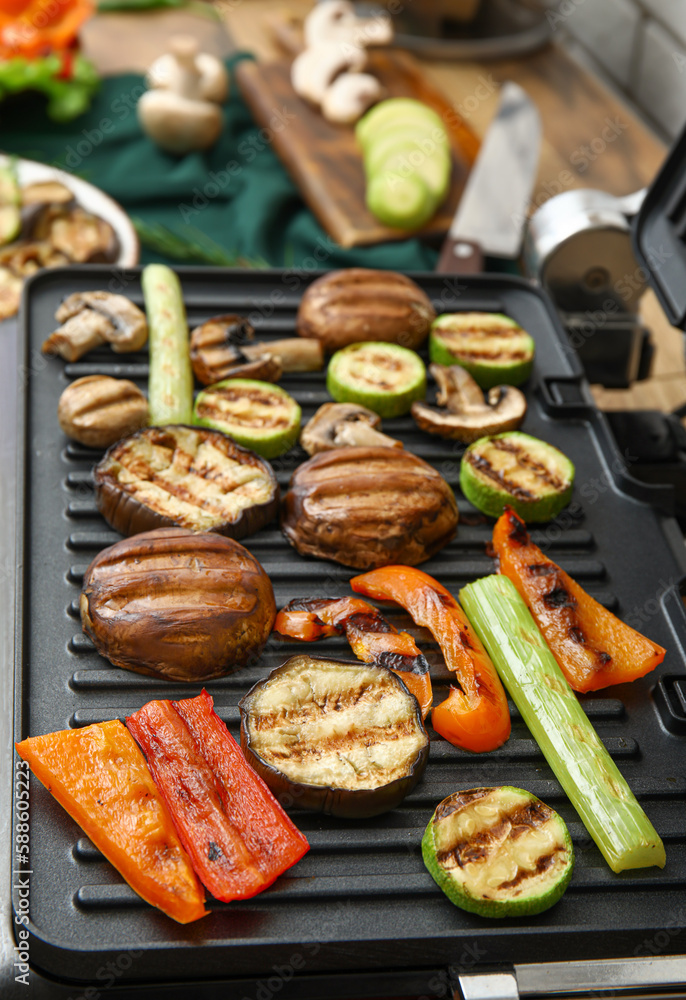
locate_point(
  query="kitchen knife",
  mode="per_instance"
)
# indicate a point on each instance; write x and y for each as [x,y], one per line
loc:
[492,211]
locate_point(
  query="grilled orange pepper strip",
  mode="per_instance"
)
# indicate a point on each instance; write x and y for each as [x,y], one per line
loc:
[592,646]
[372,638]
[100,777]
[475,716]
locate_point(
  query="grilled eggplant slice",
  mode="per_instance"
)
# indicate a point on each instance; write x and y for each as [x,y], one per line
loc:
[178,605]
[356,304]
[369,507]
[190,476]
[516,470]
[373,639]
[341,738]
[498,852]
[256,414]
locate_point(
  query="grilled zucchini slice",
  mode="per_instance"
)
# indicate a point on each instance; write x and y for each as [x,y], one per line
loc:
[258,415]
[386,378]
[188,476]
[498,852]
[493,348]
[519,471]
[342,738]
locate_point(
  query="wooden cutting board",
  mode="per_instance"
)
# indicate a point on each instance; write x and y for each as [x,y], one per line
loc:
[324,159]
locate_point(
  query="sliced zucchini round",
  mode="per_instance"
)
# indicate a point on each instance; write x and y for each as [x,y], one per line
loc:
[386,378]
[397,112]
[516,470]
[408,161]
[498,852]
[342,738]
[410,137]
[493,348]
[401,202]
[258,415]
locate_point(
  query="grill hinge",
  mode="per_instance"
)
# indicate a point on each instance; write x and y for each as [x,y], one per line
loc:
[486,986]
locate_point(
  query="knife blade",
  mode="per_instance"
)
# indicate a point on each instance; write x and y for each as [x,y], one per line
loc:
[492,210]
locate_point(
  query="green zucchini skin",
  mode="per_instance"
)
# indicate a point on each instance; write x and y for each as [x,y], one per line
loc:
[535,479]
[511,367]
[459,865]
[360,372]
[170,383]
[266,420]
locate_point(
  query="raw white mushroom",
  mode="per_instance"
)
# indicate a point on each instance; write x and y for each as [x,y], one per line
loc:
[315,69]
[214,80]
[328,72]
[336,21]
[349,96]
[177,113]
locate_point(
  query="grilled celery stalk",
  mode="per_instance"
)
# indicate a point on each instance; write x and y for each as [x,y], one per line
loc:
[558,723]
[170,385]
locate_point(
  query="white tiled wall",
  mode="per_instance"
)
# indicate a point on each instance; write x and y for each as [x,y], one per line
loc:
[639,44]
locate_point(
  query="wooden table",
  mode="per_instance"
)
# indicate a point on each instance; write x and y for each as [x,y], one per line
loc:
[574,108]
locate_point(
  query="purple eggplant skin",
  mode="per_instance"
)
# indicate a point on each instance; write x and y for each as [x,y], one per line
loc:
[130,516]
[345,803]
[143,605]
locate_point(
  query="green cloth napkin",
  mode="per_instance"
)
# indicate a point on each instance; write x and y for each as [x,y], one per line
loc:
[238,193]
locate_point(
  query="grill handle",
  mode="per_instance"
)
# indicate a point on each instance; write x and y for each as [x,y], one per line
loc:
[639,978]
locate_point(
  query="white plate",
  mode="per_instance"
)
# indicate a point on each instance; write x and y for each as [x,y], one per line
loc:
[89,197]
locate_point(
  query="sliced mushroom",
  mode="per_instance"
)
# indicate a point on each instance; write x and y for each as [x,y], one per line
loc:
[24,259]
[340,425]
[349,96]
[92,318]
[316,68]
[46,192]
[10,292]
[221,348]
[295,354]
[462,414]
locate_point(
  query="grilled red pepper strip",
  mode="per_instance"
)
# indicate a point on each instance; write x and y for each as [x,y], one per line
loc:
[593,648]
[238,837]
[475,716]
[373,639]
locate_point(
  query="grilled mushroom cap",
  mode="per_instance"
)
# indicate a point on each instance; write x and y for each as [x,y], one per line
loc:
[462,413]
[337,425]
[92,318]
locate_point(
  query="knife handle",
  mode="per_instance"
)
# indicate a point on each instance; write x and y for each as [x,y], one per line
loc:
[460,257]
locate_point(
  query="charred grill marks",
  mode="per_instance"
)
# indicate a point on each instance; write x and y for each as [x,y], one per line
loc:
[508,826]
[482,465]
[542,865]
[559,597]
[370,621]
[459,800]
[403,663]
[541,569]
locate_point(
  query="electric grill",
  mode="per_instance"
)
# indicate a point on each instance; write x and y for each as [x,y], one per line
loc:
[359,916]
